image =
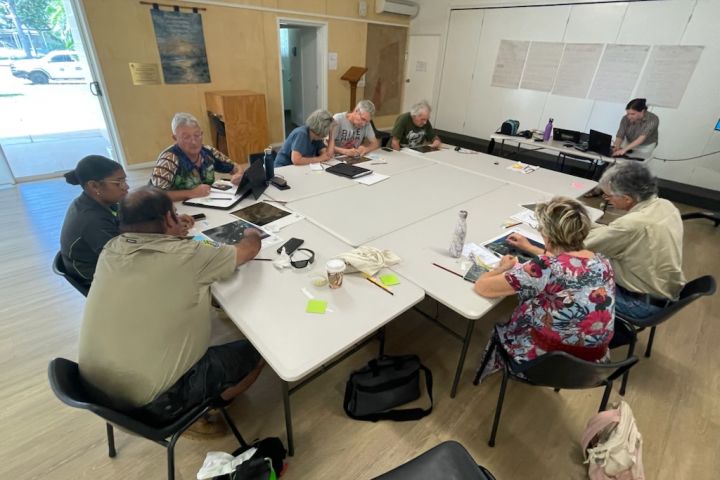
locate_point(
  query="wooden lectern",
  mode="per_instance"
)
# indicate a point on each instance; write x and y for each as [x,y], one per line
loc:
[353,76]
[245,120]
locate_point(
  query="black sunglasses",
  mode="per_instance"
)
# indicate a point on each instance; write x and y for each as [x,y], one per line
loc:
[302,263]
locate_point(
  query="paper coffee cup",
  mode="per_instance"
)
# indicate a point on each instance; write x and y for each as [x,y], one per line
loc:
[335,270]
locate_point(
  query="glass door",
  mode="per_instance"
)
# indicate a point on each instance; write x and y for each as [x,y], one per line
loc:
[51,116]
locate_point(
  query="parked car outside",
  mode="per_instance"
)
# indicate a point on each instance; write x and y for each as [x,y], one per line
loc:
[56,65]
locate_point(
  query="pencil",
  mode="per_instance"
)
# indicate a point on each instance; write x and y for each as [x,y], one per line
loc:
[375,282]
[513,225]
[263,259]
[448,270]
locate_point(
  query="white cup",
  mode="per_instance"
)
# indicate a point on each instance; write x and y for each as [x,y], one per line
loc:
[335,269]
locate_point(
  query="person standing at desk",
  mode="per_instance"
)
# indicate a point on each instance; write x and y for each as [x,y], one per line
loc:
[637,135]
[187,168]
[353,135]
[305,144]
[413,128]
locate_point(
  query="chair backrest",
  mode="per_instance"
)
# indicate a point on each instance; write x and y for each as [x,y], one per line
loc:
[692,290]
[382,136]
[58,267]
[65,381]
[562,370]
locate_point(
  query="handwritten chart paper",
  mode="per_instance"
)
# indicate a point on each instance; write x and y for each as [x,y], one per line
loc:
[509,63]
[619,71]
[577,68]
[668,73]
[541,66]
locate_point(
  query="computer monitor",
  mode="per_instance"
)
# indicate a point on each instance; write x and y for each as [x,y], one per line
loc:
[563,135]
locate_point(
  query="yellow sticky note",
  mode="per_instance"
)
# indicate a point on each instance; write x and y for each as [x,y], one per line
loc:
[316,306]
[389,280]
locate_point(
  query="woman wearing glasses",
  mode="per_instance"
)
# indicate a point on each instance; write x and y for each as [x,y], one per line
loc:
[305,144]
[91,219]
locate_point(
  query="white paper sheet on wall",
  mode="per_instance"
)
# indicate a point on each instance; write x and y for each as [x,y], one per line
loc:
[541,66]
[509,63]
[618,72]
[578,65]
[668,73]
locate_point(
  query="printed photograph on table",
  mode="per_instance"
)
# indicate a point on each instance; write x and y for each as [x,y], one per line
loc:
[261,213]
[500,247]
[231,233]
[352,160]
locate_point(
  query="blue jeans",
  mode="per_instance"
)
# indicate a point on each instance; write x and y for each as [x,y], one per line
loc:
[633,306]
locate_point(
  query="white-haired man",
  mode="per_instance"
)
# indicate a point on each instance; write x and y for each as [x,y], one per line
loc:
[413,128]
[353,134]
[187,168]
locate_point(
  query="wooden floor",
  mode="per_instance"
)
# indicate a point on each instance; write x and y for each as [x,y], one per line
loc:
[675,394]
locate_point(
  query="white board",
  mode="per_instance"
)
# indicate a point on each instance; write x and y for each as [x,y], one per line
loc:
[541,66]
[578,65]
[509,63]
[618,72]
[668,73]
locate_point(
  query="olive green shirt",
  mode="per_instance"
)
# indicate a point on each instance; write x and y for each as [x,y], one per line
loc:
[644,247]
[147,316]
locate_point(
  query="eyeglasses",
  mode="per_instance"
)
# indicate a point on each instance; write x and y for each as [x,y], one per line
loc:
[303,262]
[116,182]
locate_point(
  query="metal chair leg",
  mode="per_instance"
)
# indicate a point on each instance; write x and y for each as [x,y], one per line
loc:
[631,351]
[485,360]
[498,408]
[111,441]
[648,349]
[171,455]
[232,426]
[606,395]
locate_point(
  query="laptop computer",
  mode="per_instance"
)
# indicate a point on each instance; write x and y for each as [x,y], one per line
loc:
[600,143]
[349,171]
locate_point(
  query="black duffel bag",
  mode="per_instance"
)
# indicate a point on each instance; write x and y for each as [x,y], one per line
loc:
[384,383]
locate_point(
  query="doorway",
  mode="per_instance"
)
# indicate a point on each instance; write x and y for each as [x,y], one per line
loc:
[53,111]
[303,60]
[420,69]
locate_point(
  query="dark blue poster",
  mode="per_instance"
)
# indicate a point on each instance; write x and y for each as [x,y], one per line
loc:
[181,44]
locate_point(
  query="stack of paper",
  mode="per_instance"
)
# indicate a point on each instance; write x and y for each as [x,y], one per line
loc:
[371,179]
[522,167]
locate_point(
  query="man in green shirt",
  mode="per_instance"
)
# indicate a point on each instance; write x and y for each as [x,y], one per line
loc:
[413,128]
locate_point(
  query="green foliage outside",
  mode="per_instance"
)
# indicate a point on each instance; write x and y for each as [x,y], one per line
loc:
[43,15]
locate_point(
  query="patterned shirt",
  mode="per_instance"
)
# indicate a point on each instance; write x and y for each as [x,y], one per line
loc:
[566,303]
[175,171]
[648,126]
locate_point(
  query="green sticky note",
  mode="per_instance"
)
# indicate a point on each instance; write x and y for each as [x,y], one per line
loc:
[389,280]
[316,306]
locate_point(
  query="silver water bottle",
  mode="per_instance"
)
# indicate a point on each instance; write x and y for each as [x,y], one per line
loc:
[458,238]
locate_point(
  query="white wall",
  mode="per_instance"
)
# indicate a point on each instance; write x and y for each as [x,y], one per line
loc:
[468,57]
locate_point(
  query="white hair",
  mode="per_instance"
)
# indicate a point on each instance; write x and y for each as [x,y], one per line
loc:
[419,107]
[181,119]
[366,106]
[320,122]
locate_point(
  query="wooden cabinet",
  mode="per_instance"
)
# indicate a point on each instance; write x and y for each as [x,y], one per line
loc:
[245,119]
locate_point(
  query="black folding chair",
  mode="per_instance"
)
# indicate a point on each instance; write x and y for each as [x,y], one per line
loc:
[447,461]
[383,137]
[558,370]
[712,216]
[627,328]
[59,268]
[65,381]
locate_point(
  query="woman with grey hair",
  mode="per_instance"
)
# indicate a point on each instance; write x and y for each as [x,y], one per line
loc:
[305,144]
[644,245]
[565,292]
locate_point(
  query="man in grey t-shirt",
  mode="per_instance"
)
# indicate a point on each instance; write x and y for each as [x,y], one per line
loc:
[353,134]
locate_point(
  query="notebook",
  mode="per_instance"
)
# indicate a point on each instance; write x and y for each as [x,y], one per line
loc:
[349,171]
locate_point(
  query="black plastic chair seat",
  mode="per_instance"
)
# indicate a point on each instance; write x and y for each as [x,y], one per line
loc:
[447,461]
[65,381]
[58,267]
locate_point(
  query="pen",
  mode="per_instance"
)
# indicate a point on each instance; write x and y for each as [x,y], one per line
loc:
[447,270]
[375,282]
[263,259]
[378,163]
[513,225]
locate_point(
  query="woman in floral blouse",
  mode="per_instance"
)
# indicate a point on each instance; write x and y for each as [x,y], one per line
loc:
[566,293]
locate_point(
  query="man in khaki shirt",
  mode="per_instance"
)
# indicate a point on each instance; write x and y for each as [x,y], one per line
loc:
[144,340]
[644,245]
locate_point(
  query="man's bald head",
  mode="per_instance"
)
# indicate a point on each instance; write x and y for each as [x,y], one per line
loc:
[144,210]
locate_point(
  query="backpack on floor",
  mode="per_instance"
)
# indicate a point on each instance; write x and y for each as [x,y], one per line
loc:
[612,445]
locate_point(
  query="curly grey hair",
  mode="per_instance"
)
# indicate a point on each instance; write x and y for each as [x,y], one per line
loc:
[418,108]
[181,119]
[630,178]
[320,122]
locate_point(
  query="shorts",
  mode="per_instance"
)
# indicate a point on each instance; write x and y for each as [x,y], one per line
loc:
[222,367]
